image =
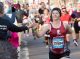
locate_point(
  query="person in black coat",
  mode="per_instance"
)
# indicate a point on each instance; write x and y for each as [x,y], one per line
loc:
[7,51]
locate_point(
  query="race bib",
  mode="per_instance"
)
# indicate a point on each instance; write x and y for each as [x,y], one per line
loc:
[58,43]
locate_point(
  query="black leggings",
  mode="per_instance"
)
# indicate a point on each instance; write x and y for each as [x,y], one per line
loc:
[58,56]
[76,27]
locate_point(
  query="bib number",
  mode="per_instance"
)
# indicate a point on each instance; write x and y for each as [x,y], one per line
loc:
[58,43]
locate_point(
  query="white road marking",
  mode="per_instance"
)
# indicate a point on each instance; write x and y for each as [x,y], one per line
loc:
[26,50]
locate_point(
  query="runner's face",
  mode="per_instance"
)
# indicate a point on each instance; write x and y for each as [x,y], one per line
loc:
[55,15]
[63,11]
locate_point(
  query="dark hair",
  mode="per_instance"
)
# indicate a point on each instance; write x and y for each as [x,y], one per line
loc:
[42,3]
[25,14]
[13,9]
[57,9]
[46,9]
[65,10]
[27,4]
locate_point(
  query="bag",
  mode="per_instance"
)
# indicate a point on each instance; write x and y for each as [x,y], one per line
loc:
[58,45]
[14,40]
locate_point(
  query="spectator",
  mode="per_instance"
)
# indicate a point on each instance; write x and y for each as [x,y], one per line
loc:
[41,9]
[7,51]
[19,13]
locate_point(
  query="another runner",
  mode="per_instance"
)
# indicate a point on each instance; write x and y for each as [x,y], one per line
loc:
[57,30]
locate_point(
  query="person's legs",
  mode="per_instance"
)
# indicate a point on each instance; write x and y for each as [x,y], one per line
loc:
[68,37]
[76,29]
[54,56]
[46,40]
[33,32]
[77,36]
[20,34]
[7,51]
[67,42]
[66,55]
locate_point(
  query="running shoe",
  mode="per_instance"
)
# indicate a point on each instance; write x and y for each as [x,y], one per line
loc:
[75,42]
[47,46]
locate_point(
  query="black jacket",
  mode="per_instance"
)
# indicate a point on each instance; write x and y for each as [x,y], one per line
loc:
[6,25]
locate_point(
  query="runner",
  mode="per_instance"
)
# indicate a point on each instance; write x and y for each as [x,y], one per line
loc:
[76,17]
[57,31]
[46,20]
[66,18]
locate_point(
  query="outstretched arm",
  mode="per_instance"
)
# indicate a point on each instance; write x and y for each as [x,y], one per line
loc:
[44,28]
[15,28]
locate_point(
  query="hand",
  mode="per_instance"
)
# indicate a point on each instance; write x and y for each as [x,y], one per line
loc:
[31,25]
[35,25]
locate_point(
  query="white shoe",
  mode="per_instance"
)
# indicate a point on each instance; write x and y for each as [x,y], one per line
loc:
[47,46]
[27,35]
[75,42]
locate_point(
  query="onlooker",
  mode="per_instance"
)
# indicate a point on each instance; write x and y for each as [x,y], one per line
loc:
[19,13]
[41,9]
[7,51]
[26,21]
[19,18]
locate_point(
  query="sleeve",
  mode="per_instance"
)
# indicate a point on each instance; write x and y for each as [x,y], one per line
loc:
[15,28]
